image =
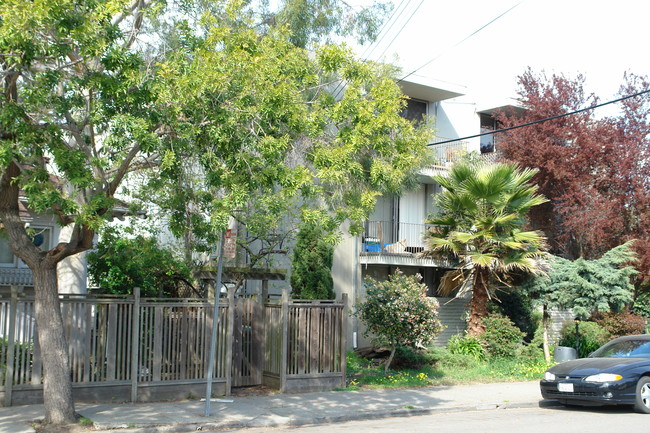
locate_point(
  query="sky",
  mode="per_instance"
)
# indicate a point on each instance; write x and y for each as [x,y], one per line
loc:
[597,38]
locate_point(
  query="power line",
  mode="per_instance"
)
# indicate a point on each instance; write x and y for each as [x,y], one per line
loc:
[559,116]
[401,29]
[459,42]
[385,29]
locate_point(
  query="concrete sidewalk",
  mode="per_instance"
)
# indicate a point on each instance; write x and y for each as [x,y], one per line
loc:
[287,409]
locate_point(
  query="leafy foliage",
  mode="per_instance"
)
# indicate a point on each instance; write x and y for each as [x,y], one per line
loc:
[120,263]
[594,171]
[518,307]
[501,338]
[482,213]
[466,345]
[590,337]
[618,324]
[587,286]
[397,312]
[311,267]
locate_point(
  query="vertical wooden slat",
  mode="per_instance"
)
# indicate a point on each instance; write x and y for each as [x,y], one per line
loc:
[157,344]
[11,350]
[229,341]
[135,327]
[111,343]
[284,317]
[87,342]
[343,334]
[314,338]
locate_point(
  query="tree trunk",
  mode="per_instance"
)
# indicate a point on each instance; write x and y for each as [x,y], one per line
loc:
[57,386]
[389,361]
[479,303]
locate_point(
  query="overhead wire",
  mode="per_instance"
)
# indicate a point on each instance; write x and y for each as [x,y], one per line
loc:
[401,29]
[392,21]
[460,42]
[546,119]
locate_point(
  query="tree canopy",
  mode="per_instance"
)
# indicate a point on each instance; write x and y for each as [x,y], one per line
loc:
[587,286]
[594,171]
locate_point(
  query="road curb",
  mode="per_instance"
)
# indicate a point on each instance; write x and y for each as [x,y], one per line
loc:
[293,421]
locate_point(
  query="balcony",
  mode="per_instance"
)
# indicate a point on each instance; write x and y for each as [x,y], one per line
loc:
[448,153]
[397,244]
[21,277]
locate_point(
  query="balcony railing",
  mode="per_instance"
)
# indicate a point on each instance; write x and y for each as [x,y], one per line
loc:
[16,277]
[447,153]
[393,237]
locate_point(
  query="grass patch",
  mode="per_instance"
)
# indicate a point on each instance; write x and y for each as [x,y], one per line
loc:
[442,368]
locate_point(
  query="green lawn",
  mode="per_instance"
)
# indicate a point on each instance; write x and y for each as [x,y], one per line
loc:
[441,368]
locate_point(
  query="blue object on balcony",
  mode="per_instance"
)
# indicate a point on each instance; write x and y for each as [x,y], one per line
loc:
[372,247]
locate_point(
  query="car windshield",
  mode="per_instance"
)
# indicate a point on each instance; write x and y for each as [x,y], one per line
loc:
[624,349]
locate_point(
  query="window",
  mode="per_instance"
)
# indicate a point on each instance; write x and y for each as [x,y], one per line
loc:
[488,123]
[415,111]
[41,236]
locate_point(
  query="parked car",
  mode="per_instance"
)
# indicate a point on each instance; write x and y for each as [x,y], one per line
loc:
[617,373]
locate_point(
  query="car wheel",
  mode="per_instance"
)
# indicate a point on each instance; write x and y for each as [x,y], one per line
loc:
[642,400]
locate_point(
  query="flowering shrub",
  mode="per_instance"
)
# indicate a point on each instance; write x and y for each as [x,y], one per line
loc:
[398,312]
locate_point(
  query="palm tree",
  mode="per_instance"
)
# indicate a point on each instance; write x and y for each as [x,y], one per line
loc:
[482,212]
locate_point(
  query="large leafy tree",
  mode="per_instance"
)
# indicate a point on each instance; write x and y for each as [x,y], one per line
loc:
[593,170]
[254,127]
[585,286]
[85,107]
[481,219]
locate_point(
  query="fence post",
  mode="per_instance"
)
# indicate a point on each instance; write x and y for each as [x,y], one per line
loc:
[135,344]
[285,340]
[344,335]
[11,346]
[230,339]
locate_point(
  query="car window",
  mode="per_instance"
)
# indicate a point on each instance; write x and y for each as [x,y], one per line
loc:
[624,349]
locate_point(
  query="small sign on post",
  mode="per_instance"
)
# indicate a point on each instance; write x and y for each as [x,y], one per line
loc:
[230,245]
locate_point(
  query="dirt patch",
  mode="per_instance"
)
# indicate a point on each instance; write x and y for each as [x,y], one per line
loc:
[83,425]
[254,391]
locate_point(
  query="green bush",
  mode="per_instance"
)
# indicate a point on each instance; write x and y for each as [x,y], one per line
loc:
[121,263]
[501,339]
[407,357]
[466,345]
[518,308]
[397,312]
[621,323]
[444,359]
[311,266]
[590,337]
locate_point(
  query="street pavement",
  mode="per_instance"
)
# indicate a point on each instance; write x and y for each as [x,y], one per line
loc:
[237,412]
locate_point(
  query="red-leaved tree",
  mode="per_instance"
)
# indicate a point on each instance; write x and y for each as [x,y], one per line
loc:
[595,171]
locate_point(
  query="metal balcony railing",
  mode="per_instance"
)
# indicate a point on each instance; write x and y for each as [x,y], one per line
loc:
[393,237]
[447,153]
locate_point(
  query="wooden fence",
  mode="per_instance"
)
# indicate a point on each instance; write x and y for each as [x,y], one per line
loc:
[137,349]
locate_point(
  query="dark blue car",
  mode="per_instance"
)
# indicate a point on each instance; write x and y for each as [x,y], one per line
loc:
[617,373]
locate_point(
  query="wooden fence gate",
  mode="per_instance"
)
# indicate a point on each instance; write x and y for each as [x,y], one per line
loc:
[247,344]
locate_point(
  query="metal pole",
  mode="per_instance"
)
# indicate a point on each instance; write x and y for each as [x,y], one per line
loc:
[215,322]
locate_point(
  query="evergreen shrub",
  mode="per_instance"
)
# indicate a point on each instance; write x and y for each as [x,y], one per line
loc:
[501,339]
